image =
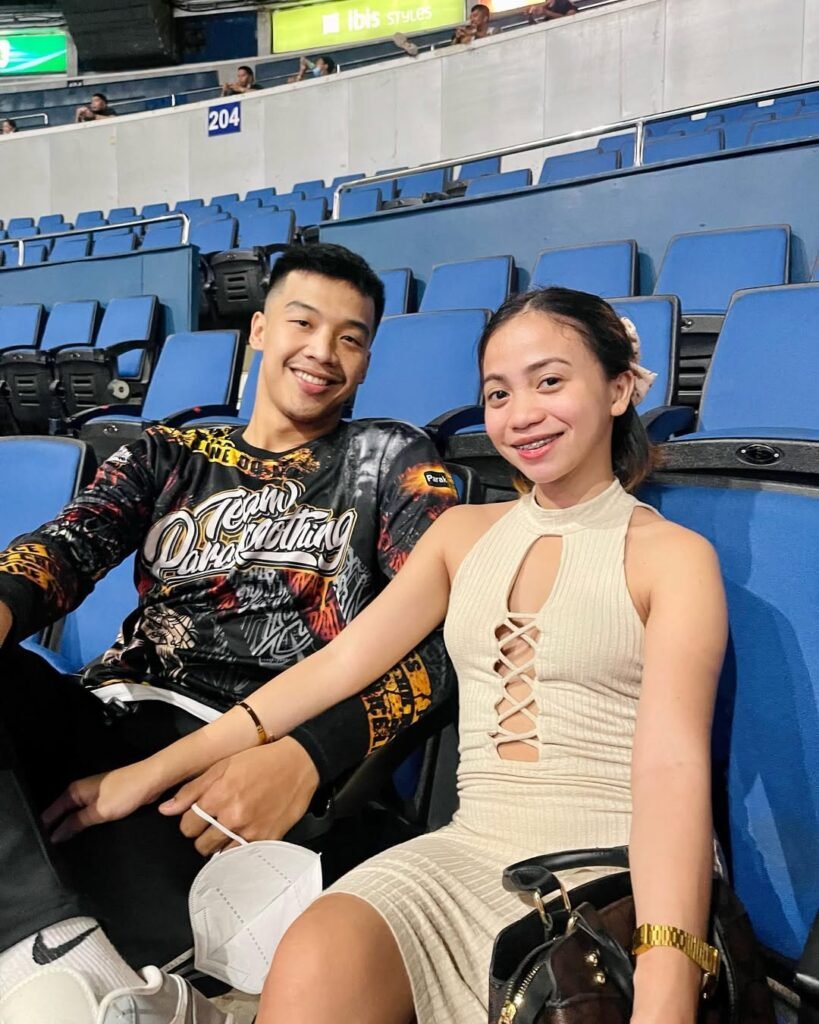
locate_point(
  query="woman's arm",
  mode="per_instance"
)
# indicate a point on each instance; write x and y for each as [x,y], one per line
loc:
[671,845]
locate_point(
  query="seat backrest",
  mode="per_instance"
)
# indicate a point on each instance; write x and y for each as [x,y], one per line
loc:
[260,193]
[18,224]
[186,205]
[45,473]
[806,127]
[71,323]
[214,235]
[469,284]
[477,168]
[22,231]
[766,734]
[51,222]
[128,319]
[422,365]
[657,319]
[415,185]
[35,252]
[490,183]
[310,211]
[285,200]
[342,179]
[604,268]
[114,243]
[122,215]
[239,206]
[705,268]
[90,219]
[622,144]
[161,236]
[677,147]
[72,247]
[577,165]
[226,197]
[194,368]
[360,202]
[154,210]
[21,326]
[765,367]
[266,227]
[397,284]
[249,390]
[311,189]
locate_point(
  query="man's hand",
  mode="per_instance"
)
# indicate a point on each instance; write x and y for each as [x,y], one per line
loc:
[259,794]
[6,622]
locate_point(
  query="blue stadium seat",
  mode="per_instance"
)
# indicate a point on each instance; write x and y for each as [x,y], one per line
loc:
[657,319]
[577,165]
[90,219]
[603,268]
[482,283]
[312,189]
[806,127]
[239,278]
[285,200]
[622,144]
[680,147]
[70,247]
[399,384]
[51,222]
[238,207]
[225,198]
[214,235]
[488,184]
[113,243]
[123,352]
[245,405]
[397,286]
[477,168]
[154,210]
[766,731]
[122,215]
[706,267]
[266,227]
[186,205]
[21,326]
[736,133]
[784,108]
[17,224]
[35,252]
[360,202]
[162,235]
[261,193]
[309,211]
[342,179]
[415,185]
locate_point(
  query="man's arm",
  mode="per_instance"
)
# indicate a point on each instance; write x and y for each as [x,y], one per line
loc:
[414,489]
[47,573]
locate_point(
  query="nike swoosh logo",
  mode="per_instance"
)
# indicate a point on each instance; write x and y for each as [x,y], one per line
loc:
[44,954]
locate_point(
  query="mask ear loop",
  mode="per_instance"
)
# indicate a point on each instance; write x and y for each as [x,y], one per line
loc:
[211,820]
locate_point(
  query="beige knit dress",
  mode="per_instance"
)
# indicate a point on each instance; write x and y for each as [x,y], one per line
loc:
[441,894]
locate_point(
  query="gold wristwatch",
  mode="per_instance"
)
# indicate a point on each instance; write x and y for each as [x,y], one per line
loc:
[706,957]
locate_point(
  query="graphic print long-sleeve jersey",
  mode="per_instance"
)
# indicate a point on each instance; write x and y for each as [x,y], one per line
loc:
[247,562]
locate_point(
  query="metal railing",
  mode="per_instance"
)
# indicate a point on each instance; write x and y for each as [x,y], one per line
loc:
[34,239]
[637,125]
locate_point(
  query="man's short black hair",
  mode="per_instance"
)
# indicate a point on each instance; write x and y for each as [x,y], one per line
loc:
[100,96]
[335,262]
[244,67]
[481,7]
[331,64]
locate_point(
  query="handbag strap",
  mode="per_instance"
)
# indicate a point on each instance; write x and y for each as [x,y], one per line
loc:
[537,873]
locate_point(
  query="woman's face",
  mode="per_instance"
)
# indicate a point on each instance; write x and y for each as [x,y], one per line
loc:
[549,405]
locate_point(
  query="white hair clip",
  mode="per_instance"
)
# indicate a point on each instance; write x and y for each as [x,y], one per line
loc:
[643,378]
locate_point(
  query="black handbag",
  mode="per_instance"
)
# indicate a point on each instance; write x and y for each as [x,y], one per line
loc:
[568,962]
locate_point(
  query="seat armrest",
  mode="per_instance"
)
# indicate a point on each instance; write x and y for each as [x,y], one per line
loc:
[99,412]
[667,421]
[119,349]
[449,423]
[180,418]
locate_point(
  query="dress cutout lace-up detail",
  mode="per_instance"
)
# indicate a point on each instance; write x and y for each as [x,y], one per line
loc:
[517,635]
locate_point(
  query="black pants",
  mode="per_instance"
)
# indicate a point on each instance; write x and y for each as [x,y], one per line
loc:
[132,875]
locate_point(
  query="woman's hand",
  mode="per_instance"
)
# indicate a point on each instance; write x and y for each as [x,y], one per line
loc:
[101,798]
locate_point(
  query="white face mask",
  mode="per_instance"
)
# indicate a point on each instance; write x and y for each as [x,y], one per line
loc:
[243,901]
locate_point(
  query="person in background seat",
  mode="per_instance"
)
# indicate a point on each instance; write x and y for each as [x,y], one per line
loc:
[245,82]
[97,110]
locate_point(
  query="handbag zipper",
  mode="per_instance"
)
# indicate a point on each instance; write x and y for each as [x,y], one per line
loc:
[512,1003]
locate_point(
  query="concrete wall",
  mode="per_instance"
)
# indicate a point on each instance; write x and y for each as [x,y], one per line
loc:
[633,58]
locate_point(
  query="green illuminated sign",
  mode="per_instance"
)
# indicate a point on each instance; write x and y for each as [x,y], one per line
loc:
[353,21]
[33,54]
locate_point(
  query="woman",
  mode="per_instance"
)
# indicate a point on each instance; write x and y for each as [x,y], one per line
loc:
[588,635]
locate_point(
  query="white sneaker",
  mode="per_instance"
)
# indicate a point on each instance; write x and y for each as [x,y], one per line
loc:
[62,996]
[405,44]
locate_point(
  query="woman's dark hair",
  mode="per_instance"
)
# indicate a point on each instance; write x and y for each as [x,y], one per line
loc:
[603,332]
[333,261]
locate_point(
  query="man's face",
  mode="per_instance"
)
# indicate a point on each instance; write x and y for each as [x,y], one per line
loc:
[479,18]
[315,334]
[97,104]
[244,78]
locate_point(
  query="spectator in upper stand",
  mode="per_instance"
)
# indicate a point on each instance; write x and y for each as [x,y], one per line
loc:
[476,28]
[550,10]
[9,126]
[96,110]
[321,66]
[245,82]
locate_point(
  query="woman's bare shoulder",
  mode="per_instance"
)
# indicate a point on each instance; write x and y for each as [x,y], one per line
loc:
[463,526]
[666,544]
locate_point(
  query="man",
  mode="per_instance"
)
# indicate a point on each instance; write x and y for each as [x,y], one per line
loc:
[551,10]
[476,28]
[322,66]
[255,547]
[245,82]
[97,109]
